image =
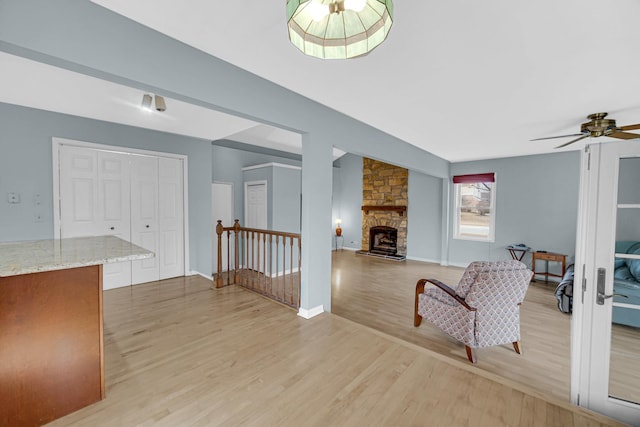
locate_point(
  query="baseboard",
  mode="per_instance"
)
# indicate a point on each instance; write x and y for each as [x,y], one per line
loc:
[432,261]
[346,248]
[197,273]
[540,278]
[458,264]
[308,314]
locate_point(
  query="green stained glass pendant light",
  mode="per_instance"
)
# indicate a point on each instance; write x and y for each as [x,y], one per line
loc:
[338,29]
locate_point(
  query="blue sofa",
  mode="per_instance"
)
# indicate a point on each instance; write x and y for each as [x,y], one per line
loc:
[626,281]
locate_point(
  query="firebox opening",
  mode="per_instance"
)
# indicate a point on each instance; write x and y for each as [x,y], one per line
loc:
[383,240]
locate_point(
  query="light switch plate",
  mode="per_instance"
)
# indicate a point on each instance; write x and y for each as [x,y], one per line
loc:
[13,198]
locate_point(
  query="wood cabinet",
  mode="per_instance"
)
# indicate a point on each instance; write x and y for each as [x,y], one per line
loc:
[51,329]
[50,344]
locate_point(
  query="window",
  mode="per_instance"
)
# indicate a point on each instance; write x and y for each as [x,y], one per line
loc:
[474,210]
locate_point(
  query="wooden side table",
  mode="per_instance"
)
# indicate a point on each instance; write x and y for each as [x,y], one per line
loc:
[518,252]
[547,256]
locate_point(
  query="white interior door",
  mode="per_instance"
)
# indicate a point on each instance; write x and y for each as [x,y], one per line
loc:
[144,216]
[94,201]
[222,209]
[608,351]
[255,207]
[171,217]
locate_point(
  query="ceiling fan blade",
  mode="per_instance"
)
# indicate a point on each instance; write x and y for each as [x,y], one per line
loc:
[571,142]
[630,127]
[556,137]
[623,135]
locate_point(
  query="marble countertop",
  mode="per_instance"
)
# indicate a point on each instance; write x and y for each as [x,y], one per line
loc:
[58,254]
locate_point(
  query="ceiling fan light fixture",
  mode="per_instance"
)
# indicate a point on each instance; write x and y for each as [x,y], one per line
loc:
[338,29]
[597,126]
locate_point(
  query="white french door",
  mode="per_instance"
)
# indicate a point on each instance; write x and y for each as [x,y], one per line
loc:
[606,346]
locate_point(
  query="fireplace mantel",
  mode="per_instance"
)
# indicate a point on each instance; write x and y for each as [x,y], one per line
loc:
[400,209]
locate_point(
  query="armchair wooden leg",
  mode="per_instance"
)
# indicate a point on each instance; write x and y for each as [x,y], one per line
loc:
[516,346]
[471,354]
[417,319]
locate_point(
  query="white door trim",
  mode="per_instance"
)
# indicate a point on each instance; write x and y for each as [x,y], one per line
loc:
[56,142]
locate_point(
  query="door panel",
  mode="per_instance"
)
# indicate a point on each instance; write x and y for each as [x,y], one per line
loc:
[78,192]
[94,201]
[144,216]
[256,206]
[114,206]
[171,218]
[624,374]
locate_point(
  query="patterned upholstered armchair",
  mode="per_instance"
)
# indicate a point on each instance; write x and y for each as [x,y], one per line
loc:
[483,310]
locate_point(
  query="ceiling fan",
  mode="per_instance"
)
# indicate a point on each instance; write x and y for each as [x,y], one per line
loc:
[598,126]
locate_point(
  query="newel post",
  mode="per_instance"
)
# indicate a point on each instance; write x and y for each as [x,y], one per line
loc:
[236,229]
[219,230]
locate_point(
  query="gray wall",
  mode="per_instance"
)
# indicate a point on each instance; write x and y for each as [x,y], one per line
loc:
[347,198]
[536,204]
[26,168]
[424,233]
[228,163]
[286,193]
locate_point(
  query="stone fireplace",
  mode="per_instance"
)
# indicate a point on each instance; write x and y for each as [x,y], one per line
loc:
[385,201]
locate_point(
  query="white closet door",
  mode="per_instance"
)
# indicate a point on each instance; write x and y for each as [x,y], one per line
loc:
[171,218]
[114,206]
[79,214]
[144,215]
[94,201]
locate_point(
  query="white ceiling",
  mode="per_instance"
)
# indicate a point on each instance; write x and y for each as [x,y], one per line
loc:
[463,80]
[55,89]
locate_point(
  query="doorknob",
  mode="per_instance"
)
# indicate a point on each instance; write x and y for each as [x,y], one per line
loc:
[601,296]
[112,228]
[147,226]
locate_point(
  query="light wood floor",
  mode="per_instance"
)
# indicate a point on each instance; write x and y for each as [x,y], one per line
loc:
[178,353]
[380,294]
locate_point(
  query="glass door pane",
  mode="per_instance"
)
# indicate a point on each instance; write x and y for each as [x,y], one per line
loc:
[624,367]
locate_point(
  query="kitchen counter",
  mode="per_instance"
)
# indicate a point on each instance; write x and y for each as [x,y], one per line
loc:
[58,254]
